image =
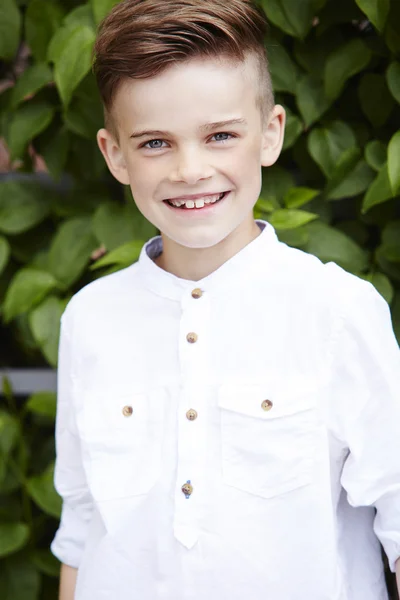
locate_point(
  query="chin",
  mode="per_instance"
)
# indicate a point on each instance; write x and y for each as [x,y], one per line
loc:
[198,240]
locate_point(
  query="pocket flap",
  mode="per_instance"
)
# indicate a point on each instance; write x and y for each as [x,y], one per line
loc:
[267,401]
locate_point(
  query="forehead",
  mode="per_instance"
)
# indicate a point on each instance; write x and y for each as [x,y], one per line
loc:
[189,94]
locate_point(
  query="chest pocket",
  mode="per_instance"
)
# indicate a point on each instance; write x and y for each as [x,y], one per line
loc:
[268,438]
[122,437]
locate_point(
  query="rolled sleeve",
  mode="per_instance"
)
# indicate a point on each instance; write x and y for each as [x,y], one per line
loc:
[69,476]
[368,397]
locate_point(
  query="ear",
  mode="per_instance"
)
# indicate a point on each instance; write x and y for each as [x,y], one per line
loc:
[113,155]
[273,135]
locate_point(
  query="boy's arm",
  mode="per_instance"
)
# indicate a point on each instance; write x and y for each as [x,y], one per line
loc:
[67,582]
[366,409]
[69,475]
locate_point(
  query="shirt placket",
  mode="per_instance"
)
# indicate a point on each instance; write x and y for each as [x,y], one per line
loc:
[192,410]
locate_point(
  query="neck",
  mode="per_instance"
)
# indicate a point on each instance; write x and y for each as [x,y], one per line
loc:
[194,264]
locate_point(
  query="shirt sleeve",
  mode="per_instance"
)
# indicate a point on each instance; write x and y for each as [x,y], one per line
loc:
[368,397]
[69,476]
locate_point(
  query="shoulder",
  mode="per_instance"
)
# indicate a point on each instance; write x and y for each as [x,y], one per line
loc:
[101,293]
[328,282]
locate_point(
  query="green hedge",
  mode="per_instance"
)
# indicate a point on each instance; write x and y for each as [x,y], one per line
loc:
[335,193]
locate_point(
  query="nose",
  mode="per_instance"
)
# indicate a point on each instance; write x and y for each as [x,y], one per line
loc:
[190,167]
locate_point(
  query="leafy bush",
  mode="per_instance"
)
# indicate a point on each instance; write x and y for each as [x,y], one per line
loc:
[65,221]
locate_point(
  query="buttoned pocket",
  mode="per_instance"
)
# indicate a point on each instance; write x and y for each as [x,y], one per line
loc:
[268,438]
[122,436]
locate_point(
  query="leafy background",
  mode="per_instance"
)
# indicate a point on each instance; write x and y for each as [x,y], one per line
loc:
[65,221]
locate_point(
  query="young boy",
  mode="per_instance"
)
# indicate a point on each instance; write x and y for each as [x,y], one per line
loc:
[228,421]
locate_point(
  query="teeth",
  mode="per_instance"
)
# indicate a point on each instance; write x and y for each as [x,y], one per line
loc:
[198,203]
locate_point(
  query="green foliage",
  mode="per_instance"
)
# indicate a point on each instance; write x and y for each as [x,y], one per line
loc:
[335,66]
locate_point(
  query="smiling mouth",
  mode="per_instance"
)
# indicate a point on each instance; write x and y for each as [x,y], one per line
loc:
[198,203]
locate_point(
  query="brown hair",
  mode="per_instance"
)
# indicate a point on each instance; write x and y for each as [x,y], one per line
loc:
[141,38]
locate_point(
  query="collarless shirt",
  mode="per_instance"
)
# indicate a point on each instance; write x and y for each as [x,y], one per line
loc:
[235,437]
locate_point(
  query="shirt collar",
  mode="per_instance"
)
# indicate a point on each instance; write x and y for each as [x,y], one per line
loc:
[247,263]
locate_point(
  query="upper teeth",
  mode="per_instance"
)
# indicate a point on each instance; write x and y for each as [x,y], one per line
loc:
[198,203]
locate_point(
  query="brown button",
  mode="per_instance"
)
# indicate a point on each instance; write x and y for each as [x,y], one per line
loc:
[127,411]
[187,489]
[197,293]
[191,338]
[267,405]
[191,414]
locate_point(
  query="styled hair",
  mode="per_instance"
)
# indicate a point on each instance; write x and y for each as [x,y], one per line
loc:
[141,38]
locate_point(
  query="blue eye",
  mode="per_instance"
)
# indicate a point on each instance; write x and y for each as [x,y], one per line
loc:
[153,147]
[226,134]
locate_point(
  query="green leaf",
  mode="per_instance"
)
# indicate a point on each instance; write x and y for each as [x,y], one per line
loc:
[10,26]
[311,99]
[81,15]
[46,562]
[29,120]
[19,579]
[382,284]
[393,80]
[27,288]
[4,253]
[73,60]
[375,99]
[42,491]
[13,537]
[292,16]
[84,118]
[326,145]
[284,71]
[351,177]
[23,204]
[101,8]
[299,196]
[44,322]
[297,238]
[376,10]
[290,218]
[43,403]
[376,154]
[9,432]
[276,182]
[114,224]
[343,63]
[330,244]
[390,248]
[394,163]
[42,20]
[379,191]
[312,53]
[293,130]
[31,80]
[123,256]
[54,151]
[71,249]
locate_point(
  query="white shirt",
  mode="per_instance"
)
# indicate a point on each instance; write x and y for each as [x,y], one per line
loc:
[294,378]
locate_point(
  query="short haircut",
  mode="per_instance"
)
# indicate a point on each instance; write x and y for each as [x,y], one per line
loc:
[141,38]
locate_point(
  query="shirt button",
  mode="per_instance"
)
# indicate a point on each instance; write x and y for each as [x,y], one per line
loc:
[187,489]
[267,405]
[191,414]
[127,411]
[197,293]
[191,338]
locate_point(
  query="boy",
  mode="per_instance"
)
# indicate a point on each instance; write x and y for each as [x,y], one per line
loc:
[228,407]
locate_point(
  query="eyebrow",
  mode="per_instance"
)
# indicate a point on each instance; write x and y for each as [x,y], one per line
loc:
[205,128]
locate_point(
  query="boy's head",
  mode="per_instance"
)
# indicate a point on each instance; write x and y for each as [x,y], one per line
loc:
[189,110]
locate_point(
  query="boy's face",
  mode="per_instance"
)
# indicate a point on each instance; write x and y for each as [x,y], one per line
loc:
[189,150]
